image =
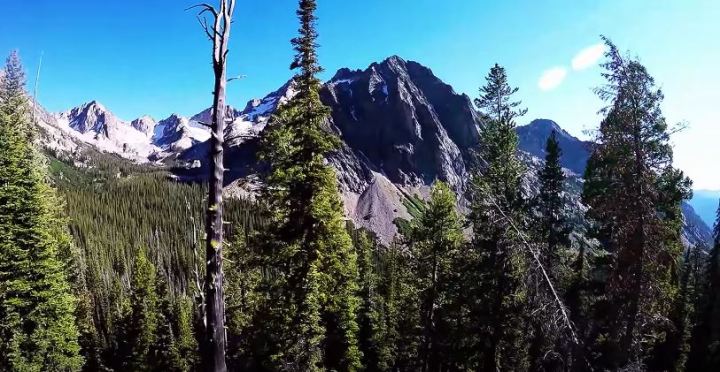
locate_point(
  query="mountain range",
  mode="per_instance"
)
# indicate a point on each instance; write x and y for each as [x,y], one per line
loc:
[401,128]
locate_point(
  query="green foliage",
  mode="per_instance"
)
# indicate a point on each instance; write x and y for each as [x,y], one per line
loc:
[436,245]
[554,227]
[243,296]
[414,205]
[634,196]
[673,353]
[37,307]
[305,290]
[549,341]
[373,328]
[142,321]
[497,264]
[116,208]
[313,285]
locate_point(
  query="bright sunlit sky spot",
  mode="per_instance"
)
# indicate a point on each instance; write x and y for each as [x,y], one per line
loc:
[150,57]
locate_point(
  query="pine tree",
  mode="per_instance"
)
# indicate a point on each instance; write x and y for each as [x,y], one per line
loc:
[185,338]
[548,346]
[436,241]
[554,226]
[142,320]
[244,296]
[370,313]
[402,310]
[499,263]
[107,230]
[673,353]
[37,309]
[164,354]
[316,278]
[634,197]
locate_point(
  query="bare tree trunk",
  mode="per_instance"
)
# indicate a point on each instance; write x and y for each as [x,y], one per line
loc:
[214,348]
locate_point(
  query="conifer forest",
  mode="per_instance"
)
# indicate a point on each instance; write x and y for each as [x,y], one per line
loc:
[499,261]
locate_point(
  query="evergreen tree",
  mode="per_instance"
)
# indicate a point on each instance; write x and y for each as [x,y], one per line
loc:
[142,320]
[244,296]
[372,328]
[313,295]
[549,347]
[554,227]
[37,308]
[499,263]
[107,229]
[672,354]
[389,315]
[402,312]
[164,354]
[185,339]
[436,241]
[634,197]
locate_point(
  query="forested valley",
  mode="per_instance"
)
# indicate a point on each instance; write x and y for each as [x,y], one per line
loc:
[104,262]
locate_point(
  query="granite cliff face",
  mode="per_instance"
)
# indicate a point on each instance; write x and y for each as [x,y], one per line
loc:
[404,121]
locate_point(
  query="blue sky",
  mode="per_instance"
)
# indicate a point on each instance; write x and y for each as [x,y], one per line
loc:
[150,57]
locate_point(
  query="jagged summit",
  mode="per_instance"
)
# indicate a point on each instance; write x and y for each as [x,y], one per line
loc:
[142,140]
[533,137]
[90,116]
[205,116]
[393,60]
[344,74]
[145,124]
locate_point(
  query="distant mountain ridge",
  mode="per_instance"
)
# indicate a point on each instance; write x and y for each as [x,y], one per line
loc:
[705,203]
[401,128]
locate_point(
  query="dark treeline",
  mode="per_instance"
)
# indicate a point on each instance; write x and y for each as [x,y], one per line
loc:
[101,266]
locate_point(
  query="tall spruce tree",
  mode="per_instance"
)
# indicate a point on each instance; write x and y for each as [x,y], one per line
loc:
[500,264]
[435,241]
[314,298]
[141,323]
[634,197]
[549,347]
[37,325]
[372,329]
[164,353]
[554,227]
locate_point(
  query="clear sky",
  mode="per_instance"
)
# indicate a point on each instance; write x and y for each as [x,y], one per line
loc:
[150,57]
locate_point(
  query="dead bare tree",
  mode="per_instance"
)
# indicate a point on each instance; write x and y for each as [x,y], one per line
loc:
[219,33]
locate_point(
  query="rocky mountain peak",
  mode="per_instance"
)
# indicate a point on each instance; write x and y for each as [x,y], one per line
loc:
[177,133]
[90,116]
[344,74]
[533,137]
[395,62]
[205,116]
[145,124]
[399,117]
